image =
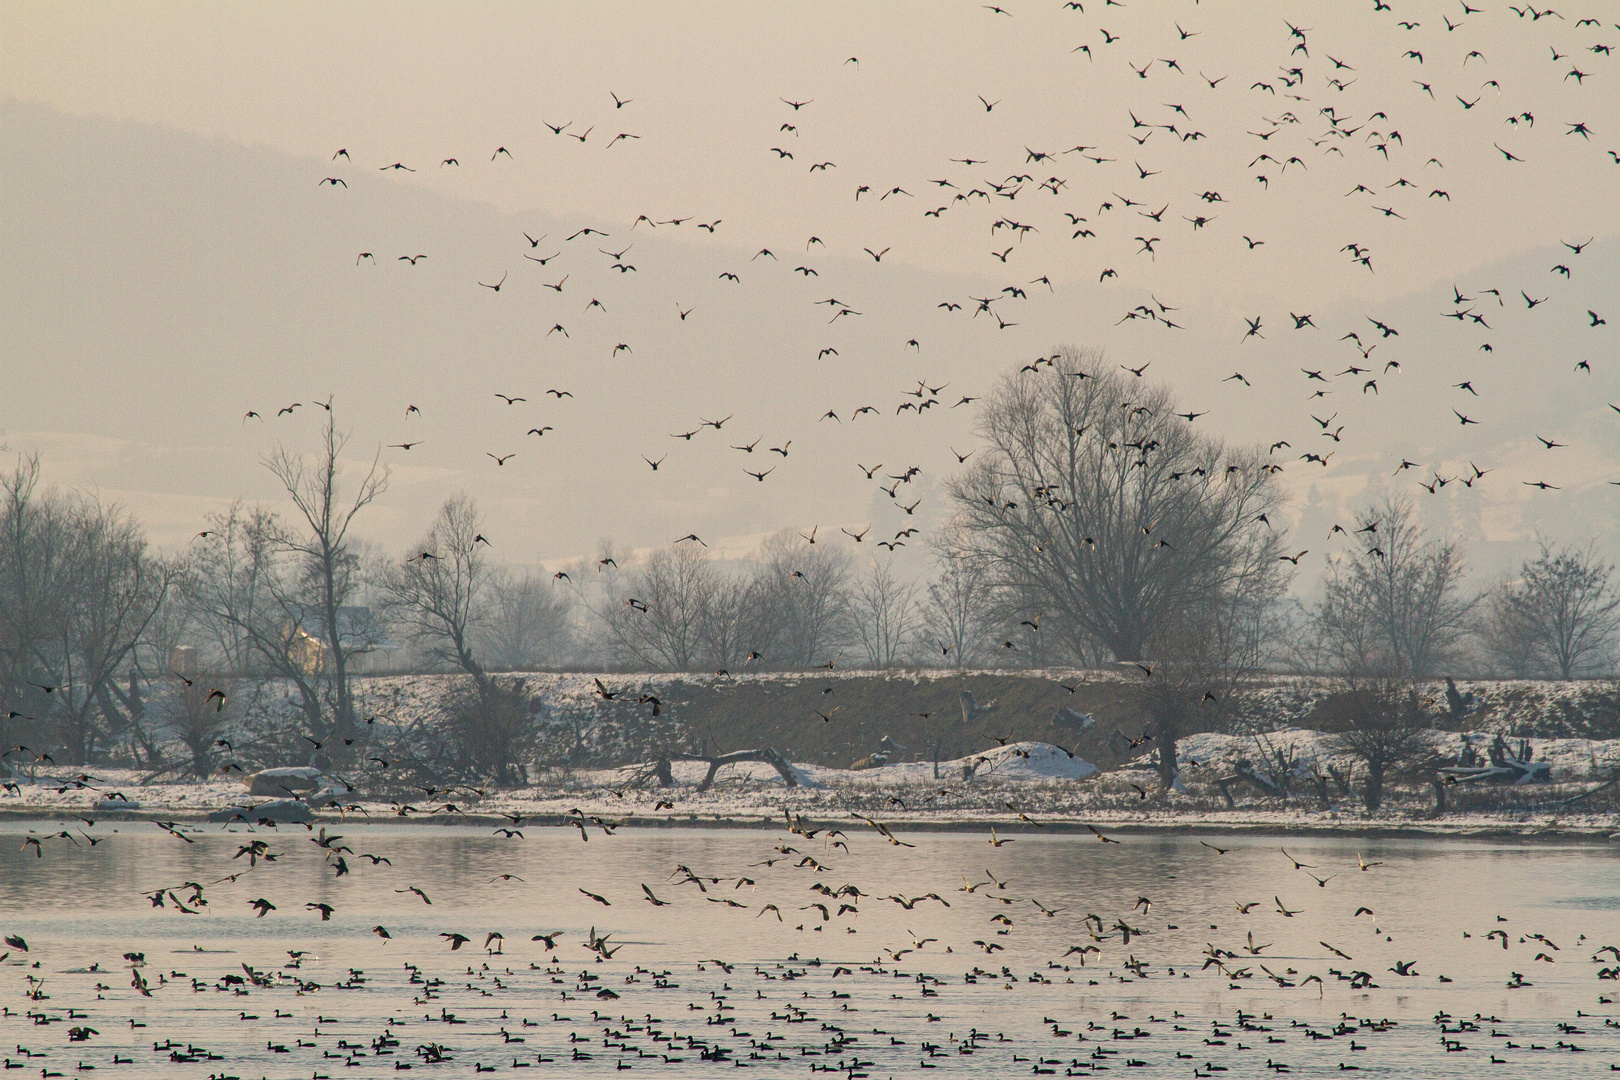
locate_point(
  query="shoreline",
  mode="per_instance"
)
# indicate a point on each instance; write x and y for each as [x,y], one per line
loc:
[1449,827]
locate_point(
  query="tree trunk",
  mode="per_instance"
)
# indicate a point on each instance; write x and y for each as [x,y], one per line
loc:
[343,712]
[471,666]
[1372,791]
[1167,759]
[1126,645]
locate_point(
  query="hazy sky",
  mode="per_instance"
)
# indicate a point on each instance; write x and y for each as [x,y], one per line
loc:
[172,260]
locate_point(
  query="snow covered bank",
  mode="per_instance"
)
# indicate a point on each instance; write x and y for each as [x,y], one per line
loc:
[1020,786]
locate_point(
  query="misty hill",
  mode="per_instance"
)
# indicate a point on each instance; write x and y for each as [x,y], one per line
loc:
[157,286]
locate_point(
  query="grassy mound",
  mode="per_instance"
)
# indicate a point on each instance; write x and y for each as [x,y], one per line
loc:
[922,714]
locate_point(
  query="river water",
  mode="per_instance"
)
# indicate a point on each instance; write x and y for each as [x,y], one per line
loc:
[712,980]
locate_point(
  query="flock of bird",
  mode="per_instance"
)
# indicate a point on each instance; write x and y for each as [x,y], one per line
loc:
[1205,992]
[581,1015]
[1124,183]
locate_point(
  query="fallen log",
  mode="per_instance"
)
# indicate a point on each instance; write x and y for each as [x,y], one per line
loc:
[766,754]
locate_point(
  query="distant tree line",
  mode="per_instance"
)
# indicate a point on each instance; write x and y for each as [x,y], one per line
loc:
[1096,526]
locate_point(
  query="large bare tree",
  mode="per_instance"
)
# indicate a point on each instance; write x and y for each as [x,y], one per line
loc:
[1097,500]
[247,599]
[36,584]
[731,622]
[803,596]
[119,585]
[681,610]
[659,621]
[1204,657]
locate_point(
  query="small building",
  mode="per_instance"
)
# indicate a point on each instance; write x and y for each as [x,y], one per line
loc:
[361,635]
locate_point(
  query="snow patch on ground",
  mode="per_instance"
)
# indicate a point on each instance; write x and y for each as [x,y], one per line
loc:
[1040,779]
[1035,779]
[1571,759]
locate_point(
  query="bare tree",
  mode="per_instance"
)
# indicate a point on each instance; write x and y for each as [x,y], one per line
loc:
[883,611]
[953,616]
[659,621]
[803,593]
[1394,606]
[597,585]
[528,622]
[488,732]
[1561,615]
[36,583]
[437,592]
[248,602]
[1386,724]
[197,718]
[78,591]
[1508,642]
[118,588]
[680,609]
[1097,501]
[730,626]
[173,625]
[331,562]
[1203,657]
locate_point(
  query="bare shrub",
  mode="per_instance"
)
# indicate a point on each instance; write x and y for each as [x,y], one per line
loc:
[491,733]
[1384,722]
